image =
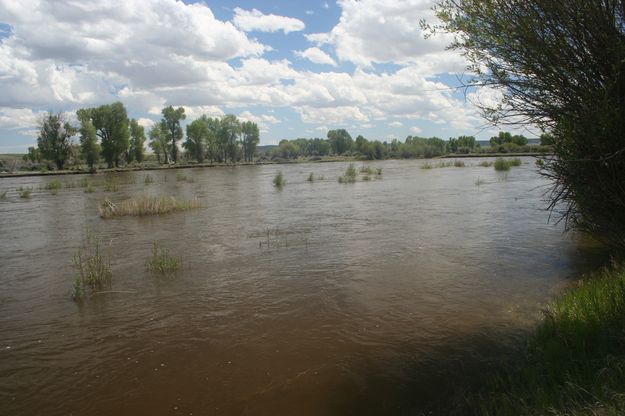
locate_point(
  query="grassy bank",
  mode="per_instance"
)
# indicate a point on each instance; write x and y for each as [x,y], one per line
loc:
[575,360]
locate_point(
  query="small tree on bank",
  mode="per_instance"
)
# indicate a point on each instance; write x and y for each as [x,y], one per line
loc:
[560,66]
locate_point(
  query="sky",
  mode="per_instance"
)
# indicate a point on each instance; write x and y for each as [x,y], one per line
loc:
[296,68]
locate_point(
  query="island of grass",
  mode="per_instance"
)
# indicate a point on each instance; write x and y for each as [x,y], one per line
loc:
[146,205]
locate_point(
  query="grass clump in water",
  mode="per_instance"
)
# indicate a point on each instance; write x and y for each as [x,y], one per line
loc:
[148,179]
[53,186]
[3,194]
[350,175]
[161,261]
[311,177]
[575,360]
[24,192]
[278,180]
[89,189]
[459,163]
[502,164]
[426,165]
[111,186]
[486,164]
[94,270]
[146,205]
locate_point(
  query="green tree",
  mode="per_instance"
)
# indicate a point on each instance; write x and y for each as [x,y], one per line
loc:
[340,140]
[54,139]
[89,147]
[229,128]
[111,124]
[137,140]
[250,137]
[33,155]
[559,66]
[159,143]
[171,124]
[197,138]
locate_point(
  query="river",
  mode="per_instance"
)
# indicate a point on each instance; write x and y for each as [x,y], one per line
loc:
[379,297]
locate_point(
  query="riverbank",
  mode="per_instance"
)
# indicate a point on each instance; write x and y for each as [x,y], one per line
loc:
[150,167]
[574,362]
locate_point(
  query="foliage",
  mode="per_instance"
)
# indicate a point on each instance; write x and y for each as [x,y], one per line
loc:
[53,140]
[94,270]
[170,124]
[159,144]
[137,140]
[250,137]
[89,146]
[111,124]
[350,174]
[279,180]
[24,192]
[559,66]
[197,138]
[575,360]
[161,261]
[146,205]
[340,141]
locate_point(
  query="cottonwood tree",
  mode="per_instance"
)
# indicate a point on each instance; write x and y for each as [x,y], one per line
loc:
[54,138]
[250,137]
[340,140]
[111,124]
[559,66]
[171,124]
[137,139]
[197,138]
[89,147]
[158,143]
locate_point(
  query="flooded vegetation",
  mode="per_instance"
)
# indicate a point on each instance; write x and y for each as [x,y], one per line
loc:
[382,297]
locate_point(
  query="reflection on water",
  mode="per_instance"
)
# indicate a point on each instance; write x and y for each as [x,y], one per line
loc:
[321,298]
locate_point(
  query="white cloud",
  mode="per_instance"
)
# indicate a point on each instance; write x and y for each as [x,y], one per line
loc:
[251,20]
[396,124]
[316,56]
[263,121]
[415,130]
[381,31]
[19,118]
[146,122]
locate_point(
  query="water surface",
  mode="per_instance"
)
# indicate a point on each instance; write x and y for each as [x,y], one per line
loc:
[321,298]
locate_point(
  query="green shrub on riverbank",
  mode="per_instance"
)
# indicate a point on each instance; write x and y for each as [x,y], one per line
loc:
[575,359]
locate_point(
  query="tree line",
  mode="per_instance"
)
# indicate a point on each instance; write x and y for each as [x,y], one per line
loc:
[106,133]
[340,142]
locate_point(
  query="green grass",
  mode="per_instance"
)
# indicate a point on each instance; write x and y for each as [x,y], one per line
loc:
[575,359]
[278,180]
[459,163]
[111,186]
[502,164]
[161,261]
[89,189]
[486,164]
[3,194]
[93,269]
[146,205]
[350,174]
[53,186]
[24,192]
[311,177]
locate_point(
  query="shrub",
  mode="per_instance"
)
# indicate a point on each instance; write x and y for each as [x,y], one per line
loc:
[279,180]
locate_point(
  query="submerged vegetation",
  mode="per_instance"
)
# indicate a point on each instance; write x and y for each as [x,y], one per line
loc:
[161,261]
[24,192]
[278,180]
[146,205]
[575,360]
[502,164]
[350,174]
[93,269]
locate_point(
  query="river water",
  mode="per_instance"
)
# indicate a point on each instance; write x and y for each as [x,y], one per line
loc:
[378,297]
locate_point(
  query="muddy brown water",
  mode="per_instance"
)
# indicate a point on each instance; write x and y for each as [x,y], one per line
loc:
[379,297]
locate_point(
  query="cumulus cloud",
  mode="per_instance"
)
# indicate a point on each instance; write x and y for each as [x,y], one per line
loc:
[255,20]
[19,118]
[396,124]
[316,56]
[263,121]
[382,31]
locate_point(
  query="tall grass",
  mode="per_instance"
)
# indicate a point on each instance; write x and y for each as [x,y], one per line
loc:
[575,359]
[24,192]
[350,174]
[93,269]
[278,180]
[53,186]
[502,164]
[146,205]
[148,179]
[161,261]
[311,177]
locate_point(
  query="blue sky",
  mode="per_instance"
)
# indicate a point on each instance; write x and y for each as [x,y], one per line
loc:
[295,68]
